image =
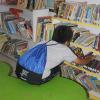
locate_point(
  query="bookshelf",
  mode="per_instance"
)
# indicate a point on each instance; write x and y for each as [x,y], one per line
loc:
[76,22]
[54,19]
[82,69]
[95,29]
[33,16]
[29,15]
[93,95]
[86,48]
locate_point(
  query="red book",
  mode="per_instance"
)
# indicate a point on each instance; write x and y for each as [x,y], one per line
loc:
[15,11]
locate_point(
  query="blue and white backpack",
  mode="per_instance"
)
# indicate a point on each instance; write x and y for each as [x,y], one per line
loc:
[34,59]
[33,62]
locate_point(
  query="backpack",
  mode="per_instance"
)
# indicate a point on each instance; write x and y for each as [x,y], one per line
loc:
[34,59]
[31,64]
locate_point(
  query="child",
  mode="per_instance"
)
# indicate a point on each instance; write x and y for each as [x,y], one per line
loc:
[56,54]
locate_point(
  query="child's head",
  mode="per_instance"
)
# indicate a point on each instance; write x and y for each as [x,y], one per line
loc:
[62,34]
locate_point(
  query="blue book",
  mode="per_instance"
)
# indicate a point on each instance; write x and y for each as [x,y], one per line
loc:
[92,79]
[7,26]
[12,27]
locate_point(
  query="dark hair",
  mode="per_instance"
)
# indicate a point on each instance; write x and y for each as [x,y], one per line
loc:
[62,34]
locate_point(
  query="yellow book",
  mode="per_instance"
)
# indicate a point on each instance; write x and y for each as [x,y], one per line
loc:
[22,3]
[49,31]
[37,4]
[38,31]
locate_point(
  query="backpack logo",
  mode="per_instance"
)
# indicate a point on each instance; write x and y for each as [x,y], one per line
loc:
[24,74]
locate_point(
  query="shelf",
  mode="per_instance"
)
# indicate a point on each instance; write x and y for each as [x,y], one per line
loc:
[82,69]
[76,22]
[86,48]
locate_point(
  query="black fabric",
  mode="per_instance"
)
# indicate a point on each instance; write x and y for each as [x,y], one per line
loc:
[34,78]
[28,76]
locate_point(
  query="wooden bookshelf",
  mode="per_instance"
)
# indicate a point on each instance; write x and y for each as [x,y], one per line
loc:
[82,69]
[90,49]
[75,22]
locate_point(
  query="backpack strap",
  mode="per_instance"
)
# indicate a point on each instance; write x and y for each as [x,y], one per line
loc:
[50,44]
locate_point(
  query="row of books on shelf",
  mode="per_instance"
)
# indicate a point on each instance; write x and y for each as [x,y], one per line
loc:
[87,39]
[89,82]
[35,4]
[14,47]
[81,35]
[80,11]
[12,24]
[28,4]
[45,28]
[32,4]
[92,66]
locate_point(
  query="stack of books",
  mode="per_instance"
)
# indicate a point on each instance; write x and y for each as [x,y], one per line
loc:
[89,82]
[85,40]
[14,25]
[14,47]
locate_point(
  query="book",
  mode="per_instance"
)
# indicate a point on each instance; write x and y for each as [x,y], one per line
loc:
[12,2]
[31,4]
[22,4]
